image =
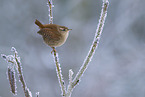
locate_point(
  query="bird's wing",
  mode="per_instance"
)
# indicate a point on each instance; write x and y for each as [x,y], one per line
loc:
[44,31]
[49,34]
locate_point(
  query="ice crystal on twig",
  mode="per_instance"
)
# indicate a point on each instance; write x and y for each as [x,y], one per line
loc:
[37,94]
[70,75]
[69,88]
[28,93]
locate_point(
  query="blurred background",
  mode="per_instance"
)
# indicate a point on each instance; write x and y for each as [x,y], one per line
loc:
[117,68]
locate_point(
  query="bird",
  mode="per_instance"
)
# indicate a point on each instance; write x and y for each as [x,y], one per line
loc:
[53,35]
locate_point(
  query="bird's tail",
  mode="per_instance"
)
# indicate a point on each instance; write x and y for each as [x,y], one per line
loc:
[39,24]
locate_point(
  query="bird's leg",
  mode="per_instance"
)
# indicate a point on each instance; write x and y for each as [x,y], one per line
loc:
[54,50]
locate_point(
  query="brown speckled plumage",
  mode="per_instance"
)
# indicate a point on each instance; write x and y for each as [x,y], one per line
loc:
[53,35]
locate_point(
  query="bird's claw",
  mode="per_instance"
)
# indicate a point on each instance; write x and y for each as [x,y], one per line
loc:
[54,50]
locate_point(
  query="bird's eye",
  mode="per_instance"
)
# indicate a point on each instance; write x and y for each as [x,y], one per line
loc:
[62,29]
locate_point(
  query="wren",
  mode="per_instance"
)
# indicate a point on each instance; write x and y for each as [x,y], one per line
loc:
[53,35]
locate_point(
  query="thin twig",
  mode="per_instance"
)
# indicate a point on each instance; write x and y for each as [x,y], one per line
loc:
[50,5]
[59,75]
[14,59]
[93,47]
[21,78]
[69,88]
[20,75]
[94,44]
[12,79]
[58,68]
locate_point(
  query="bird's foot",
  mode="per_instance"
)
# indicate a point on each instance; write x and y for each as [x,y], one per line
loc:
[54,50]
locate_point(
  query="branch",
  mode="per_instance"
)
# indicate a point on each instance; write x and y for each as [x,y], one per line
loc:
[94,44]
[92,48]
[19,70]
[59,75]
[50,5]
[14,61]
[58,68]
[69,89]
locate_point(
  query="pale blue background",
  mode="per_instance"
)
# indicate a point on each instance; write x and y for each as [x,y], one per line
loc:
[117,68]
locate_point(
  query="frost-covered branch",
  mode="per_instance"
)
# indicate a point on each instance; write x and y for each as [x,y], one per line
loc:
[20,74]
[69,88]
[93,47]
[14,62]
[56,59]
[50,15]
[12,79]
[59,74]
[94,44]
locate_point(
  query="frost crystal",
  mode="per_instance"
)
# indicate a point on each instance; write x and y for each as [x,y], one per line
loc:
[37,94]
[13,49]
[52,5]
[70,75]
[28,93]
